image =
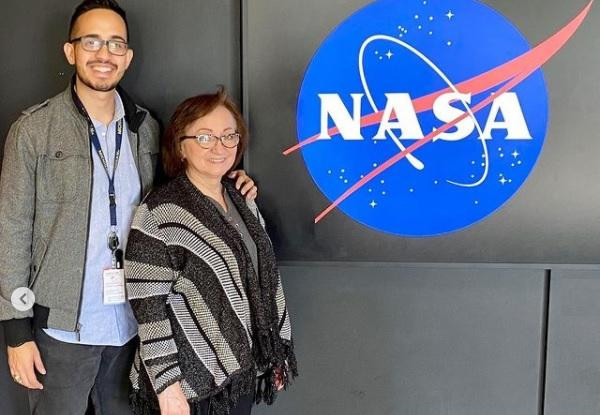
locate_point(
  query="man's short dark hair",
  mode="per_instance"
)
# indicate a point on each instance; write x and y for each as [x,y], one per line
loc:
[87,5]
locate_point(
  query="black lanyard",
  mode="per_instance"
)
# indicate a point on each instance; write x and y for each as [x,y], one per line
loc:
[111,177]
[113,238]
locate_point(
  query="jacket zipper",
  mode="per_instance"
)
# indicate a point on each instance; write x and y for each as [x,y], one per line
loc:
[87,238]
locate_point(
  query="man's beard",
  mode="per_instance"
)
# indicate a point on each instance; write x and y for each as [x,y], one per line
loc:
[102,86]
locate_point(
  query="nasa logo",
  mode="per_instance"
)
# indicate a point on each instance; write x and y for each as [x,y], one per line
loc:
[422,117]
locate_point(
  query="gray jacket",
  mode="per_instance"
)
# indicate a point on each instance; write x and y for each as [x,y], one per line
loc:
[45,195]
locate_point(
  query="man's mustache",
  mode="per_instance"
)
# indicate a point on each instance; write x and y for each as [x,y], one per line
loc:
[102,62]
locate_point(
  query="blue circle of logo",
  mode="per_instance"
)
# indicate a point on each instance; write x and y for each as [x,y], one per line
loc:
[394,75]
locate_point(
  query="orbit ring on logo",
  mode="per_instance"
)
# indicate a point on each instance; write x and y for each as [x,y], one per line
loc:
[420,117]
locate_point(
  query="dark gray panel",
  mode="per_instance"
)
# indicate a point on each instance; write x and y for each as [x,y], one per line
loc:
[422,341]
[552,219]
[182,48]
[573,370]
[34,67]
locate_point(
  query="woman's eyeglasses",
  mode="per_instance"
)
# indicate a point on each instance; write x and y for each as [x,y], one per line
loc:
[208,141]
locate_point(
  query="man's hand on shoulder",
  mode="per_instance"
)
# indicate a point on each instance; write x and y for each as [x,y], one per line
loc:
[244,184]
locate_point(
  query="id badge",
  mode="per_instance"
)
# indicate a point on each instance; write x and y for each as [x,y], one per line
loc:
[114,286]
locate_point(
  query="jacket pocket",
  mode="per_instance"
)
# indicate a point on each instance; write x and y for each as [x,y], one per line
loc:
[59,176]
[39,252]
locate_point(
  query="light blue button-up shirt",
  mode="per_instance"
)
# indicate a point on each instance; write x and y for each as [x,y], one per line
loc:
[99,324]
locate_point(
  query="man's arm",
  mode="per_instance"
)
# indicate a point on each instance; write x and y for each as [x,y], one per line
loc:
[17,207]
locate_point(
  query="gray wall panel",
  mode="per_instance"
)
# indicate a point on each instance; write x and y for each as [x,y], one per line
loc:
[573,372]
[183,48]
[385,339]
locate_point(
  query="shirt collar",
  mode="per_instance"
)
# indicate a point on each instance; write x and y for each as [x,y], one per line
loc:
[119,111]
[119,108]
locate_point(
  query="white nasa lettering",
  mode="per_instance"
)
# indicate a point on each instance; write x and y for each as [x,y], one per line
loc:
[514,121]
[446,113]
[406,117]
[400,106]
[332,106]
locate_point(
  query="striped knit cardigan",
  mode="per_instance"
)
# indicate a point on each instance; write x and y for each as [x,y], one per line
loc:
[206,318]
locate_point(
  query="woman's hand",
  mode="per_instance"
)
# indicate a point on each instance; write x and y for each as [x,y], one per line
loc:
[244,184]
[279,378]
[172,401]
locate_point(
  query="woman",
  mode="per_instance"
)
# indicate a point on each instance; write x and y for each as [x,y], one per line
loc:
[202,278]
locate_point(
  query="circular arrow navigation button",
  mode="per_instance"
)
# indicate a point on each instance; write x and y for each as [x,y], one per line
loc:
[22,299]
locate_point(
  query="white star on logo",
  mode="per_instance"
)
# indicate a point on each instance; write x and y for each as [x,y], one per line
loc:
[389,54]
[373,203]
[515,154]
[503,180]
[449,15]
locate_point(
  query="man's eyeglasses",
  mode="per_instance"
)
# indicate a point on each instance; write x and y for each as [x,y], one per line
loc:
[208,141]
[94,44]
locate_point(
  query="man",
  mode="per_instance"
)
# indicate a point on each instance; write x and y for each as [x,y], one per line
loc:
[75,167]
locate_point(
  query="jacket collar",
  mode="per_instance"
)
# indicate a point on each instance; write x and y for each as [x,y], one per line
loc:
[133,115]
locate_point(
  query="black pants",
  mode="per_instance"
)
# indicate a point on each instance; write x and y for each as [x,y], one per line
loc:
[75,372]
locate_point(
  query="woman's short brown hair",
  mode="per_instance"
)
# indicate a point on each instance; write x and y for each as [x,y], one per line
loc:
[188,112]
